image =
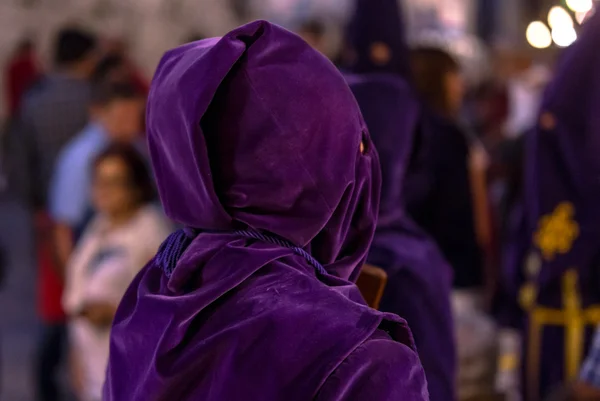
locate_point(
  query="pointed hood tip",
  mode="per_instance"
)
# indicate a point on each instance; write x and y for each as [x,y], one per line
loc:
[376,39]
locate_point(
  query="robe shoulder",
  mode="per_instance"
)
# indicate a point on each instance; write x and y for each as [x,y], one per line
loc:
[380,369]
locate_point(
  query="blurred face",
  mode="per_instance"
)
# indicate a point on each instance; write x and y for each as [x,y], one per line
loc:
[89,63]
[113,192]
[122,119]
[455,91]
[119,74]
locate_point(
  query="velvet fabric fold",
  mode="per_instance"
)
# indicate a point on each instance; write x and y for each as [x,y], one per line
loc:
[258,131]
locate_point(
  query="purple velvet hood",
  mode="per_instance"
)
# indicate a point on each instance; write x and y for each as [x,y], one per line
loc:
[255,131]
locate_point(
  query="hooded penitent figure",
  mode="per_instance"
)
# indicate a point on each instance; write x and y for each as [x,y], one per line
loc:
[438,192]
[419,279]
[260,150]
[552,268]
[376,39]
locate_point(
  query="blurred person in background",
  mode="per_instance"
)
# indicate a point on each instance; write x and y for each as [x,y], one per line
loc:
[419,278]
[552,268]
[449,200]
[112,69]
[58,109]
[313,32]
[449,210]
[115,111]
[21,72]
[52,115]
[491,104]
[122,237]
[117,50]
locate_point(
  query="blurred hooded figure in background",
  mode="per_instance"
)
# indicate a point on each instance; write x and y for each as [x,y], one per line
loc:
[551,268]
[419,279]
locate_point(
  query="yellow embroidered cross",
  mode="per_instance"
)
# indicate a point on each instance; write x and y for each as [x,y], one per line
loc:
[557,231]
[555,235]
[573,318]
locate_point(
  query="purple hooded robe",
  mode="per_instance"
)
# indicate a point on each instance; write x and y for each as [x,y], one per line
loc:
[551,264]
[257,131]
[419,278]
[437,188]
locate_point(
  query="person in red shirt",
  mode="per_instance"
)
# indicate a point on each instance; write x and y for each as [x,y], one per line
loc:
[22,71]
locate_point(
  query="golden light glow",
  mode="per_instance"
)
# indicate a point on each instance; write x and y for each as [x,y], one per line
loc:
[558,17]
[538,35]
[581,6]
[564,36]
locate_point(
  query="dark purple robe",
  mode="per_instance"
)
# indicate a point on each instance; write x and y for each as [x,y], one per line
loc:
[438,193]
[419,278]
[551,266]
[258,131]
[439,196]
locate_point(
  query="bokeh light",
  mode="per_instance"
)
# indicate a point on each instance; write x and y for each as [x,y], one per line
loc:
[538,35]
[564,36]
[581,6]
[558,17]
[582,17]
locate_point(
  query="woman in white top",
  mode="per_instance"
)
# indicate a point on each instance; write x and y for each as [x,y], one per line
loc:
[119,241]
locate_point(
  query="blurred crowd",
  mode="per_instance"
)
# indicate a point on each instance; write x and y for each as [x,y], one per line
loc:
[75,154]
[73,151]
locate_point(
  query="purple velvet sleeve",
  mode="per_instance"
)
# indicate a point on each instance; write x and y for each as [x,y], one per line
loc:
[378,370]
